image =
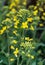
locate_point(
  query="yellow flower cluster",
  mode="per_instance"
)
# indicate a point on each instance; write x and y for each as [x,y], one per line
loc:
[14,41]
[16,52]
[30,56]
[3,29]
[16,24]
[28,39]
[35,12]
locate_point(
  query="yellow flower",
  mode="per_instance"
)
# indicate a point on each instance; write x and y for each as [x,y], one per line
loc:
[14,32]
[24,25]
[44,13]
[1,32]
[12,4]
[14,41]
[41,24]
[7,19]
[27,38]
[35,7]
[32,28]
[17,1]
[31,39]
[40,9]
[13,10]
[8,14]
[15,18]
[29,55]
[12,59]
[12,47]
[38,18]
[4,28]
[32,57]
[16,52]
[38,4]
[24,3]
[43,17]
[35,12]
[33,47]
[30,19]
[16,24]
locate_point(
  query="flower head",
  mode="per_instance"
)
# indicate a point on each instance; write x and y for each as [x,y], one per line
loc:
[24,25]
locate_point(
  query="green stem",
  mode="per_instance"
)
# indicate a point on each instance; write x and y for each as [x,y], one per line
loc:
[28,62]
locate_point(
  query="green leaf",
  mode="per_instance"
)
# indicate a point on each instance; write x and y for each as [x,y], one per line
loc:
[34,63]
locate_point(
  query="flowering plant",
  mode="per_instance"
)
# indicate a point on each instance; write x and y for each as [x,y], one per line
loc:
[19,44]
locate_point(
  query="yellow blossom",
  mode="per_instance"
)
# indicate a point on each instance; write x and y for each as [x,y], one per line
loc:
[8,14]
[15,26]
[38,4]
[29,55]
[12,4]
[30,19]
[43,17]
[38,18]
[16,23]
[44,13]
[13,10]
[12,47]
[14,32]
[24,3]
[35,12]
[12,59]
[7,19]
[33,47]
[27,38]
[35,7]
[17,1]
[24,25]
[32,56]
[40,9]
[4,28]
[16,52]
[31,39]
[15,18]
[1,32]
[41,24]
[14,41]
